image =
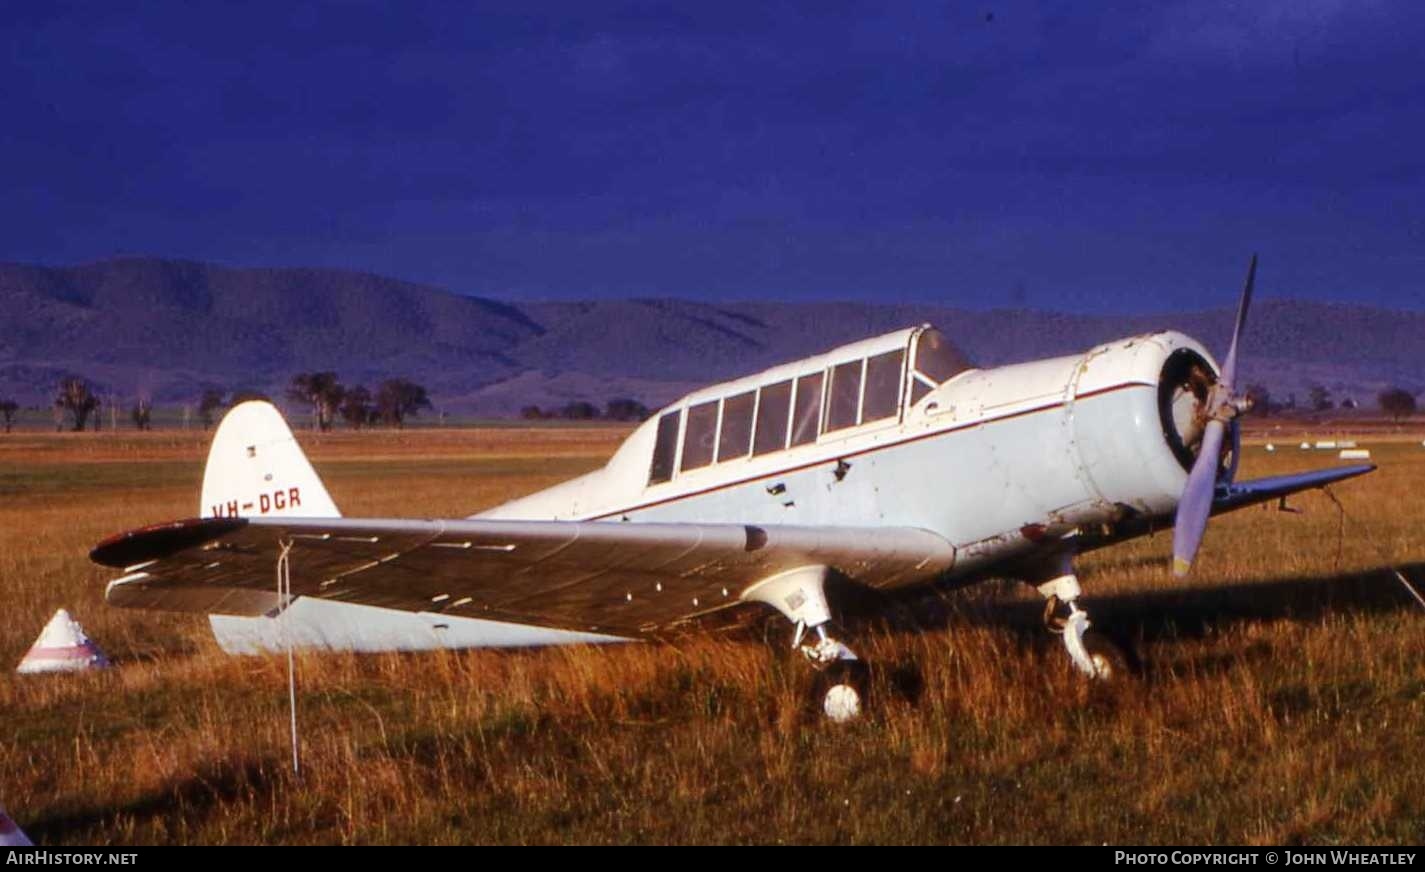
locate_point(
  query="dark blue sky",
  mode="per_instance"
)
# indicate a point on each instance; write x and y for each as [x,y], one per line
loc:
[1113,157]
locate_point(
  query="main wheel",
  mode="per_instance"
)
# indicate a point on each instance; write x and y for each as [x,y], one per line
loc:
[840,691]
[1111,661]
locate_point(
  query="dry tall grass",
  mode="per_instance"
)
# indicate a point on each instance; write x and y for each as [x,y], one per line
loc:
[1285,699]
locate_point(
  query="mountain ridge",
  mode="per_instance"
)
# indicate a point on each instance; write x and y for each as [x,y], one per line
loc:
[165,328]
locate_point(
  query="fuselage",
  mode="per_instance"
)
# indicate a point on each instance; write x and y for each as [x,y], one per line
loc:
[990,459]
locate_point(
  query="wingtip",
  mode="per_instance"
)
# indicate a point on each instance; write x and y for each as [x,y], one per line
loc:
[159,540]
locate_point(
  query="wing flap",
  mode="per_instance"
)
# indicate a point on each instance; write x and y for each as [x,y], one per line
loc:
[136,592]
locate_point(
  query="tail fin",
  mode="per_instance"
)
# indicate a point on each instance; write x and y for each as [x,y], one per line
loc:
[255,468]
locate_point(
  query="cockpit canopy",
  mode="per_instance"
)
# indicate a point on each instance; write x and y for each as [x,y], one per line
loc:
[814,400]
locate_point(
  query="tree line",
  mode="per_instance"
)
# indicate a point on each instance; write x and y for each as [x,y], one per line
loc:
[1396,402]
[393,401]
[621,409]
[77,403]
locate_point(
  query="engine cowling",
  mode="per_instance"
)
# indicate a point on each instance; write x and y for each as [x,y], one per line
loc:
[1184,383]
[1139,416]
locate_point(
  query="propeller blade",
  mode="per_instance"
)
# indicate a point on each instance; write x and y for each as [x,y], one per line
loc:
[1196,502]
[1234,430]
[1229,367]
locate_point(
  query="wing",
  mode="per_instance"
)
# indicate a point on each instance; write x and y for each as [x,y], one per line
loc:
[1260,490]
[1228,497]
[608,577]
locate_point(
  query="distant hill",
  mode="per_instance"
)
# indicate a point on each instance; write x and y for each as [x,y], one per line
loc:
[166,328]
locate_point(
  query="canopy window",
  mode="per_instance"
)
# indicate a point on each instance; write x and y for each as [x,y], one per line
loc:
[664,448]
[807,405]
[919,387]
[699,436]
[735,440]
[774,406]
[937,359]
[936,362]
[883,386]
[843,398]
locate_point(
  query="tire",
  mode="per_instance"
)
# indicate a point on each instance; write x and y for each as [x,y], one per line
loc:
[840,691]
[1114,662]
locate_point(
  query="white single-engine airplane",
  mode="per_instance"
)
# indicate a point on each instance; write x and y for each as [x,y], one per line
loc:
[887,463]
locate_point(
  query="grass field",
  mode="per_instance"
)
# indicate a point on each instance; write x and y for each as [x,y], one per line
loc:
[1284,699]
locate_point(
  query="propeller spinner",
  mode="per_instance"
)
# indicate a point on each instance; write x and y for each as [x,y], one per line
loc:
[1224,404]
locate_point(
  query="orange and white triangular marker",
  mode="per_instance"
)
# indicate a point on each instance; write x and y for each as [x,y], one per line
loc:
[62,647]
[11,836]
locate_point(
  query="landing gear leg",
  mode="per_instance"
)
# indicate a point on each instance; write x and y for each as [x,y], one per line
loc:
[842,679]
[1092,654]
[800,595]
